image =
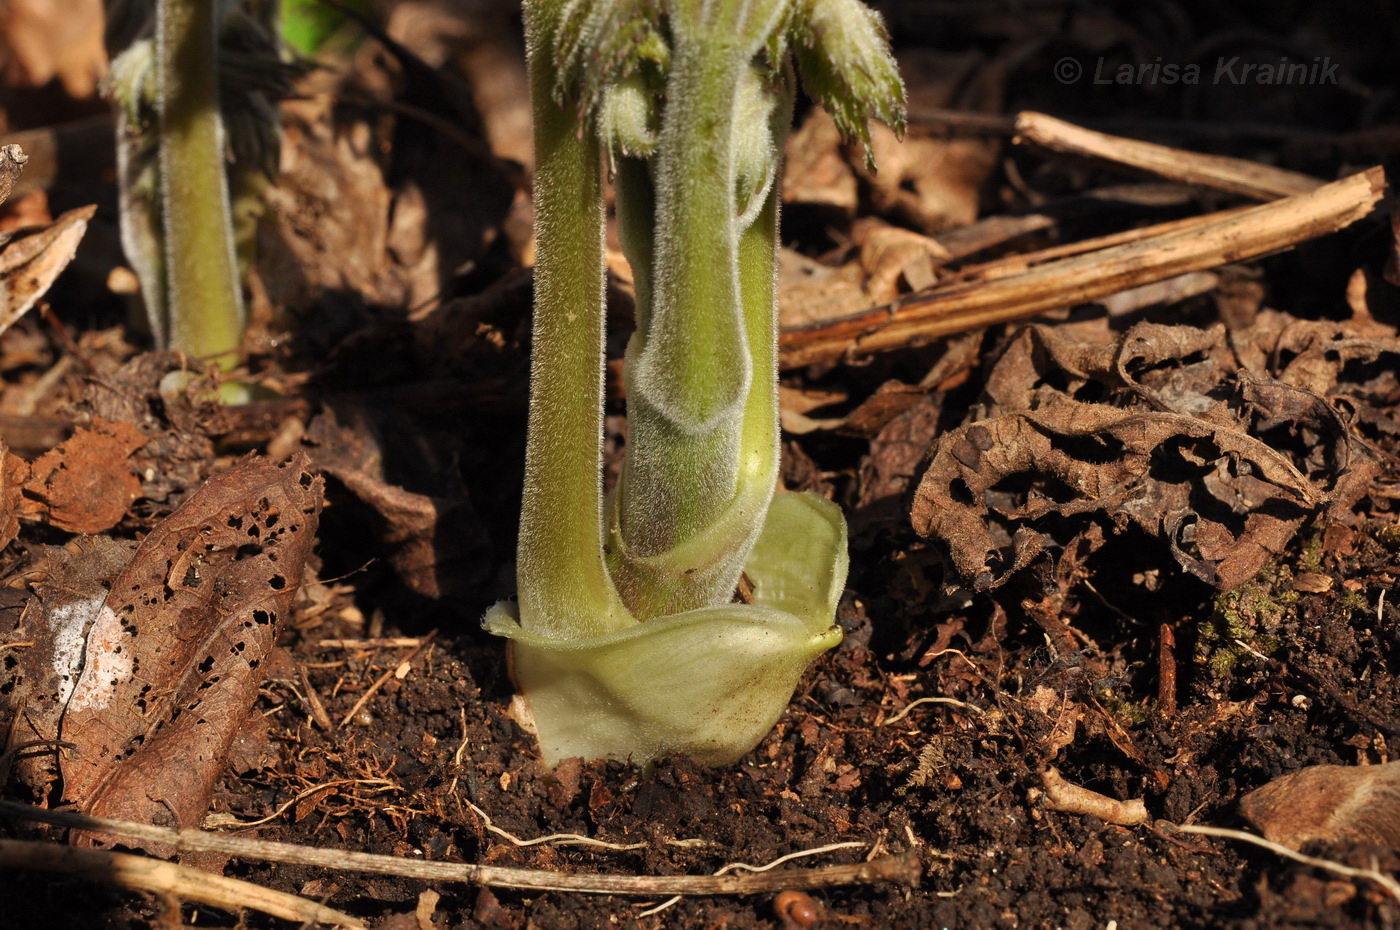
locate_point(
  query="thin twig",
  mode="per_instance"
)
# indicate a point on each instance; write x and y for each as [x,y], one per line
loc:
[383,642]
[1234,175]
[754,869]
[142,873]
[1026,285]
[1390,885]
[388,673]
[313,700]
[904,868]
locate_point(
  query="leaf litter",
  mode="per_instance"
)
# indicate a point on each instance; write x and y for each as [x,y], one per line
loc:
[1220,462]
[1128,646]
[157,652]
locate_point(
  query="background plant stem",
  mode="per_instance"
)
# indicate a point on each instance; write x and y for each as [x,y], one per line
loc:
[205,302]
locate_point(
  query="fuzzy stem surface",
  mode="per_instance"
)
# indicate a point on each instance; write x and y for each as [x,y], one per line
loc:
[205,300]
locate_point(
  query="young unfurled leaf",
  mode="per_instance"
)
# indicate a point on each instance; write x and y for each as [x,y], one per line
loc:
[843,57]
[601,42]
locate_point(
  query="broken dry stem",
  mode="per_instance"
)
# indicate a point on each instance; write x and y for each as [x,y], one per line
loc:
[1062,795]
[142,873]
[1209,242]
[1232,175]
[903,869]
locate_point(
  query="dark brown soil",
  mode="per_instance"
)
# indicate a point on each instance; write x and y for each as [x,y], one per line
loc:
[1110,662]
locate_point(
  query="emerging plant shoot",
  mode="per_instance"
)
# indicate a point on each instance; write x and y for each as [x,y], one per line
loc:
[627,639]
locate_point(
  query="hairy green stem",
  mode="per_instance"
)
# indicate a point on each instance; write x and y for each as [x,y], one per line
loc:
[691,371]
[565,590]
[206,305]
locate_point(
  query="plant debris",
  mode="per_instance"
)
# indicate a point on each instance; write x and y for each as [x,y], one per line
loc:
[158,663]
[1175,447]
[1132,351]
[1334,804]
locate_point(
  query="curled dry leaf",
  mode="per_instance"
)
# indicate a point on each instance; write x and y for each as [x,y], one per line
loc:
[85,483]
[30,260]
[157,664]
[1160,428]
[12,162]
[1330,804]
[1226,502]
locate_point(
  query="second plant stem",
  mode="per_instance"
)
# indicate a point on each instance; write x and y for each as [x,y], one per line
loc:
[205,302]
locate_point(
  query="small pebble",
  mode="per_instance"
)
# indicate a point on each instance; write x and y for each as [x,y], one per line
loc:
[798,909]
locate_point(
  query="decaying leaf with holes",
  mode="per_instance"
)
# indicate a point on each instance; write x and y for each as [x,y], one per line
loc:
[157,672]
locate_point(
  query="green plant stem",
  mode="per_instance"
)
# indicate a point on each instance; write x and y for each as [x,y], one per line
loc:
[758,284]
[206,306]
[564,586]
[692,369]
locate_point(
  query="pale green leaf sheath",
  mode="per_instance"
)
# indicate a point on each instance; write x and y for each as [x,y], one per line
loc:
[627,642]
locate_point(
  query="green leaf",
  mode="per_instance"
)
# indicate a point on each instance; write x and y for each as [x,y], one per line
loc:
[601,42]
[308,24]
[843,55]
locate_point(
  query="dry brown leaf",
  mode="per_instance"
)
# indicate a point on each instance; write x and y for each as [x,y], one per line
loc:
[895,452]
[1063,715]
[157,665]
[1225,501]
[1331,804]
[896,260]
[12,161]
[930,184]
[85,484]
[45,39]
[810,292]
[434,540]
[816,174]
[1159,428]
[71,583]
[30,260]
[13,473]
[338,235]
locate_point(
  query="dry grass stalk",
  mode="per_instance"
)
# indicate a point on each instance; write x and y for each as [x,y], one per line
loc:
[1023,287]
[903,869]
[142,873]
[1232,175]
